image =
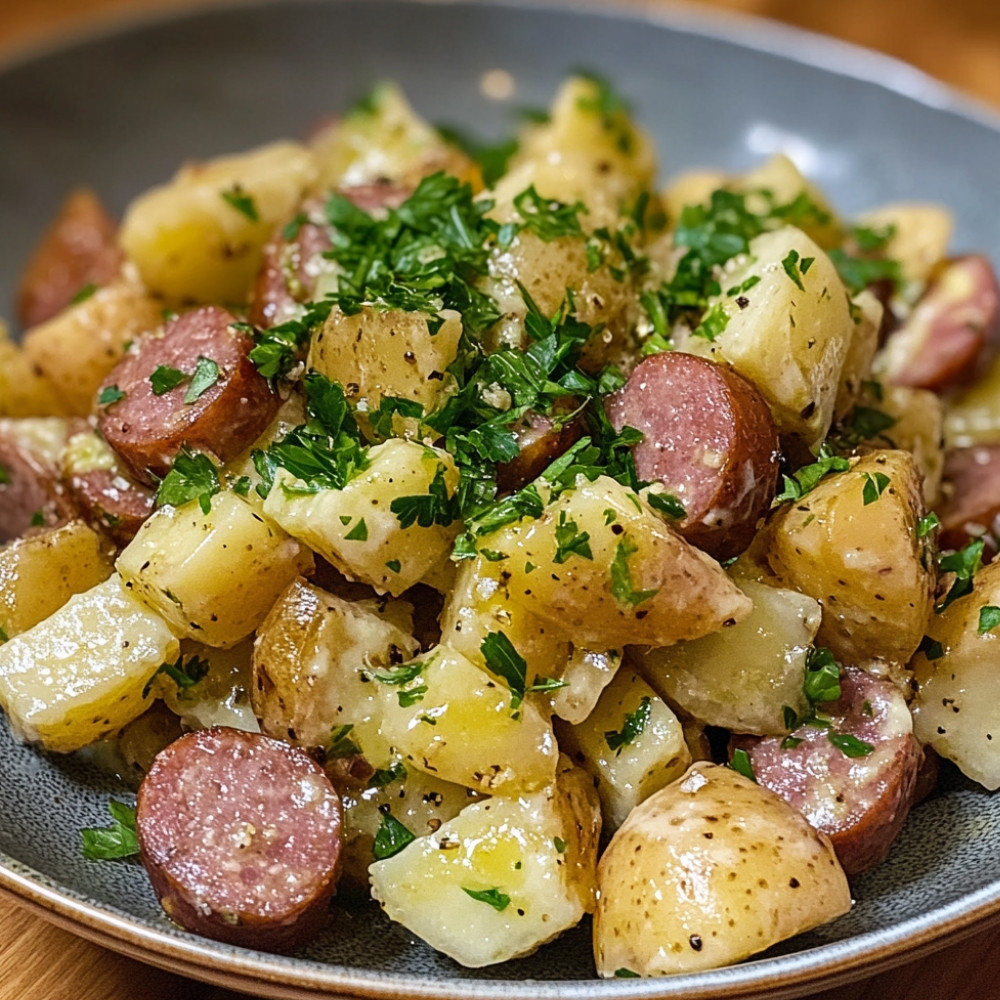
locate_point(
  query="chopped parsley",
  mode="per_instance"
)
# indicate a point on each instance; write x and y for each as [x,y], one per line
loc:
[119,840]
[110,394]
[570,541]
[243,202]
[875,485]
[989,618]
[931,648]
[206,374]
[503,659]
[184,673]
[621,576]
[742,764]
[164,378]
[795,267]
[546,218]
[494,897]
[964,564]
[194,476]
[436,506]
[84,293]
[806,479]
[850,745]
[633,727]
[927,524]
[391,838]
[340,743]
[359,533]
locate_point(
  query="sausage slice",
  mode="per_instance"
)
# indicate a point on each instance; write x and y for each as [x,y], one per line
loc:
[954,330]
[32,498]
[971,508]
[241,836]
[709,438]
[860,798]
[147,429]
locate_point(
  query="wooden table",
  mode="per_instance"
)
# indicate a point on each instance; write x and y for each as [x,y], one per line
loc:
[957,41]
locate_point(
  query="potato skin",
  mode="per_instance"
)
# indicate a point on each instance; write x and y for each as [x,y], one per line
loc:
[708,871]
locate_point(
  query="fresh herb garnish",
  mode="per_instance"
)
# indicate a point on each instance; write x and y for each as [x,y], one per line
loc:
[804,480]
[243,202]
[742,764]
[164,378]
[497,899]
[875,485]
[119,840]
[633,727]
[206,374]
[391,838]
[964,564]
[193,476]
[621,576]
[989,618]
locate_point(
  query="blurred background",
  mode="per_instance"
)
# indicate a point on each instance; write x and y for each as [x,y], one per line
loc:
[957,41]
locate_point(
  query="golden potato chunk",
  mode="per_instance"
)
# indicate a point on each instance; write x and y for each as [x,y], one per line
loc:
[708,871]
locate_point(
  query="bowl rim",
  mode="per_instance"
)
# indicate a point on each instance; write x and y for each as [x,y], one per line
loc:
[824,966]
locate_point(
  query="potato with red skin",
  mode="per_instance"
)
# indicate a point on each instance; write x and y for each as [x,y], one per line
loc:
[241,837]
[32,498]
[709,439]
[79,249]
[147,429]
[953,332]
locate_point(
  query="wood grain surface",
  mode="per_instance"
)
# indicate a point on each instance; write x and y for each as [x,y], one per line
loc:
[957,41]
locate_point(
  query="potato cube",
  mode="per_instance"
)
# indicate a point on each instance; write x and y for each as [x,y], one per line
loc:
[502,878]
[40,573]
[631,743]
[355,529]
[448,717]
[212,576]
[82,673]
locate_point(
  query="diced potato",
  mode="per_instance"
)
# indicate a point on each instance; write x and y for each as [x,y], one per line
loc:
[641,584]
[708,871]
[378,353]
[414,798]
[604,299]
[355,529]
[221,696]
[587,674]
[200,237]
[852,544]
[745,693]
[384,138]
[446,716]
[789,333]
[785,184]
[312,661]
[83,672]
[587,151]
[212,576]
[40,573]
[480,603]
[957,707]
[922,232]
[919,429]
[631,743]
[24,391]
[77,349]
[502,878]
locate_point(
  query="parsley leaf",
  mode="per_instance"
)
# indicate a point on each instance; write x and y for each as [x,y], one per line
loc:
[964,564]
[110,394]
[184,673]
[340,743]
[206,374]
[621,576]
[547,218]
[803,481]
[164,378]
[850,745]
[632,728]
[875,485]
[503,659]
[989,618]
[193,476]
[243,202]
[435,506]
[822,679]
[570,540]
[497,899]
[391,838]
[742,764]
[119,840]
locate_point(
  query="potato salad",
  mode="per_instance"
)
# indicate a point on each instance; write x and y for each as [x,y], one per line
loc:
[490,534]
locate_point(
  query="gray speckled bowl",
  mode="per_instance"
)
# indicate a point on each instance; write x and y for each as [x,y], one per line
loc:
[119,112]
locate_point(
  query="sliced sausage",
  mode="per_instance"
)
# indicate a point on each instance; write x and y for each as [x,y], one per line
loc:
[79,248]
[241,836]
[709,438]
[971,508]
[147,430]
[862,801]
[294,257]
[32,497]
[111,502]
[541,442]
[954,330]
